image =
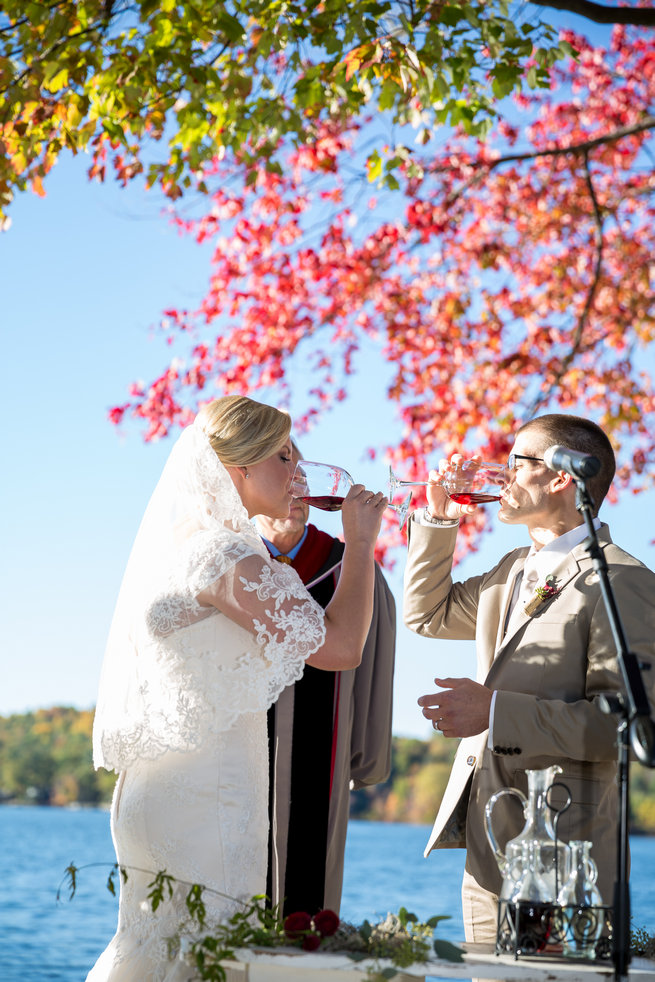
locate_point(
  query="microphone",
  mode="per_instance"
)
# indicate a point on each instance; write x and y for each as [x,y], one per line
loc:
[572,462]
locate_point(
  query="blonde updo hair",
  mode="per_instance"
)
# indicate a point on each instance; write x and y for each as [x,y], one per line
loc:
[242,431]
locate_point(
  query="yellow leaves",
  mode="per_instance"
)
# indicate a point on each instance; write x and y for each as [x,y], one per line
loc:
[154,122]
[55,74]
[352,62]
[362,58]
[75,112]
[19,162]
[58,81]
[374,167]
[164,33]
[453,307]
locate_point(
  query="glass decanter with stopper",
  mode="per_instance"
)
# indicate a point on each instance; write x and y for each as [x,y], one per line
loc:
[538,829]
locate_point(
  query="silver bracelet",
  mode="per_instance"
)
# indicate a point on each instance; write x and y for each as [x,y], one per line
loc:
[443,522]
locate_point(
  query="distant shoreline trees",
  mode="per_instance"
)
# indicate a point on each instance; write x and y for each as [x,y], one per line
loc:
[46,759]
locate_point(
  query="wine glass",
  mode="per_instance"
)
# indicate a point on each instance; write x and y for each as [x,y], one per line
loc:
[326,485]
[472,483]
[395,484]
[475,482]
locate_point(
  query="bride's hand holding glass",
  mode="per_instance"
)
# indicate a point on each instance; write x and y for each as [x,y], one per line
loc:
[361,514]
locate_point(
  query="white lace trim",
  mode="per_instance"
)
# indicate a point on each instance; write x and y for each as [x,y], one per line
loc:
[197,670]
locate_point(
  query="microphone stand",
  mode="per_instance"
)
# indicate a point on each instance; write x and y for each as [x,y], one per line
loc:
[635,726]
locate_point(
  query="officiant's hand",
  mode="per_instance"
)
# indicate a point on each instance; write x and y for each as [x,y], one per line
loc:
[461,709]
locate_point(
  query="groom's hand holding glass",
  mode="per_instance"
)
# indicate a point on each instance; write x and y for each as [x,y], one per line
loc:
[460,485]
[461,707]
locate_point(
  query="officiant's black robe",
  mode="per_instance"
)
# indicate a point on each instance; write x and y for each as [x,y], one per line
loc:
[327,733]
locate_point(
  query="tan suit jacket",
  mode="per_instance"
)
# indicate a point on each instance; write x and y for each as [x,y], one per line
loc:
[548,672]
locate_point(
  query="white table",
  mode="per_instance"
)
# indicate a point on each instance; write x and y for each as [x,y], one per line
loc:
[480,962]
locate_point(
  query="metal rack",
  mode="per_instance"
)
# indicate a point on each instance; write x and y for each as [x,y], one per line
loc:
[526,929]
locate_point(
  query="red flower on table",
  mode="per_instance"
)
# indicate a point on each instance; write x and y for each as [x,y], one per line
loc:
[310,931]
[326,923]
[296,925]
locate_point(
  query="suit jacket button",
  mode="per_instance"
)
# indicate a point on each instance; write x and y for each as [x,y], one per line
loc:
[517,750]
[470,760]
[498,749]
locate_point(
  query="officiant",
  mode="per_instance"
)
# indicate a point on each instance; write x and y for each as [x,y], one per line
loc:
[328,733]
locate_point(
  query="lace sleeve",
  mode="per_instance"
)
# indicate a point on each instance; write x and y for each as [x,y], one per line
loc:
[207,656]
[269,600]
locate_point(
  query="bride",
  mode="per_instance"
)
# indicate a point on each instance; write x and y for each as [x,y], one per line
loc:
[207,631]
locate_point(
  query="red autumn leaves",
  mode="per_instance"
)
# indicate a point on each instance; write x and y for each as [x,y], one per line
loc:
[489,289]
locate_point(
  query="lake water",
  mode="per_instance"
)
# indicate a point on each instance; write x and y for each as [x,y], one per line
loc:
[41,939]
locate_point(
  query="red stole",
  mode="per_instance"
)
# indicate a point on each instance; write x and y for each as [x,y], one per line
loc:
[313,553]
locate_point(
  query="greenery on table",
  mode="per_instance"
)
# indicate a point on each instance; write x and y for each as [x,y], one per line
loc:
[642,944]
[400,939]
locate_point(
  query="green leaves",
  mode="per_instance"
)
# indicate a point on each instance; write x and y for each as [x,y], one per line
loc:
[215,78]
[448,951]
[160,889]
[70,874]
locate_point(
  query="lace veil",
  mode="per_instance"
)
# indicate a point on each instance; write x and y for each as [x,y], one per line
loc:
[175,671]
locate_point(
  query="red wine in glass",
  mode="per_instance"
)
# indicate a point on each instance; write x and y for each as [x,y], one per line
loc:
[472,497]
[328,502]
[326,485]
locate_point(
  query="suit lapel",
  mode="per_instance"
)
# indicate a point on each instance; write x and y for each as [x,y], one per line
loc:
[517,568]
[564,572]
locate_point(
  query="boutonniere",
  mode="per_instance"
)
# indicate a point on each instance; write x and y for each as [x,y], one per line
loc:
[541,595]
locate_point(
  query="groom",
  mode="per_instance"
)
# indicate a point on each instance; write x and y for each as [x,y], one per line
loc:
[543,660]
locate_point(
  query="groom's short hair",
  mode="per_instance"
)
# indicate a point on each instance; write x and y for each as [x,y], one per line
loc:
[582,435]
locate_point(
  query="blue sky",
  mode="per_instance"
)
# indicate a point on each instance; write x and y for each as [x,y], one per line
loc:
[84,275]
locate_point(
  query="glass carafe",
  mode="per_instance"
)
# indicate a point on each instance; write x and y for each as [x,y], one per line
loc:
[581,901]
[538,828]
[530,903]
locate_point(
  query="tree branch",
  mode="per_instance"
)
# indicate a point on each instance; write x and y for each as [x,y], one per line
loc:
[647,123]
[591,293]
[600,14]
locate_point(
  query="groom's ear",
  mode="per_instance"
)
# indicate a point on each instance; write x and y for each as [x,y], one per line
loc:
[561,481]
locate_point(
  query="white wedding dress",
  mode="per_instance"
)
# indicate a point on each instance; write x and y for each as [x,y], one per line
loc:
[190,670]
